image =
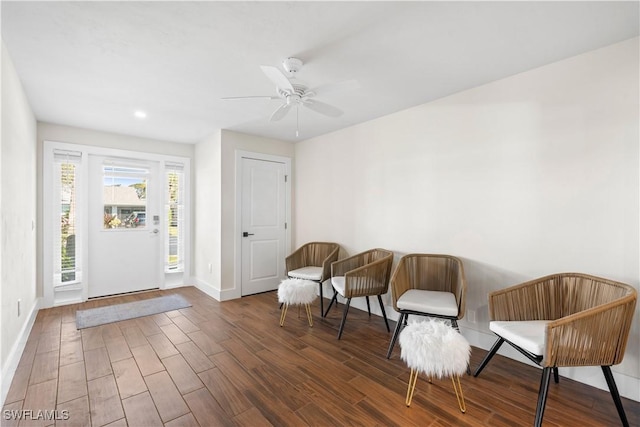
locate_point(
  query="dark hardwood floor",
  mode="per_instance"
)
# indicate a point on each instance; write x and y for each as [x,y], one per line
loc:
[230,364]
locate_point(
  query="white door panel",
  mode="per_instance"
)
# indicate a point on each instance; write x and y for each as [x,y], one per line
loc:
[264,265]
[123,258]
[263,225]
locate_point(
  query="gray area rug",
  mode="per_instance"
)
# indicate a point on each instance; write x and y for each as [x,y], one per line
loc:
[130,310]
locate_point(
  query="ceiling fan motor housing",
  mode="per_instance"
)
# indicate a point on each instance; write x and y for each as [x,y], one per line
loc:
[292,65]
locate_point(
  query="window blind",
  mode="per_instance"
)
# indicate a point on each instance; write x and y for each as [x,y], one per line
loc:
[174,217]
[67,245]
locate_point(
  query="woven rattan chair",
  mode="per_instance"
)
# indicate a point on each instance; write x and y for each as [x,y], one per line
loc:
[428,285]
[312,261]
[563,320]
[363,275]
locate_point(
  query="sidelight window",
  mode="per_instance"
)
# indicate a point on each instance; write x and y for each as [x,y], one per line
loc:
[174,217]
[66,242]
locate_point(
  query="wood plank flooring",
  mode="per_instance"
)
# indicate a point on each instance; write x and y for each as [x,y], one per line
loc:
[230,364]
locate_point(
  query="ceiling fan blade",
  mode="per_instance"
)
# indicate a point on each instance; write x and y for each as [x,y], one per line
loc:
[280,80]
[343,86]
[280,112]
[322,108]
[236,98]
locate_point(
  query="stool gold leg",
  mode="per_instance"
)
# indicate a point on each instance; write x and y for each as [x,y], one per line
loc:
[298,311]
[308,308]
[283,314]
[413,378]
[460,396]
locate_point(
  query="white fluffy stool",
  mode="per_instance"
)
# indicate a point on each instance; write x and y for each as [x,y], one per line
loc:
[298,292]
[435,349]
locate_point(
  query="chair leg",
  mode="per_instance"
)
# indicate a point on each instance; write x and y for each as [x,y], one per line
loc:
[344,317]
[384,313]
[556,375]
[396,332]
[321,301]
[542,396]
[458,389]
[334,299]
[308,308]
[492,352]
[413,378]
[368,306]
[613,389]
[283,314]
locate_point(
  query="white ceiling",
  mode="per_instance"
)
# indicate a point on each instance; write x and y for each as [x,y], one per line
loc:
[92,64]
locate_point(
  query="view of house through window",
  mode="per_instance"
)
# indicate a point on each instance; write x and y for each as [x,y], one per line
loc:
[124,197]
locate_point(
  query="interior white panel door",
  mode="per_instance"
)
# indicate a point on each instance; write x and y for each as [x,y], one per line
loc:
[126,256]
[263,225]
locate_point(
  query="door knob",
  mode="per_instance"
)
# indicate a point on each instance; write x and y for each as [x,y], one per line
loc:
[246,234]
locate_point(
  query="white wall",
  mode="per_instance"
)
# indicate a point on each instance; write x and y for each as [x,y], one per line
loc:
[207,215]
[75,135]
[526,176]
[18,216]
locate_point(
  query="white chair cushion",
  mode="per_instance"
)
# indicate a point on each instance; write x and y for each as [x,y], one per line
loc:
[528,335]
[431,302]
[307,273]
[338,284]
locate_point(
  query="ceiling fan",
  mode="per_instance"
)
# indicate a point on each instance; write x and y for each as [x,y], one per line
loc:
[295,93]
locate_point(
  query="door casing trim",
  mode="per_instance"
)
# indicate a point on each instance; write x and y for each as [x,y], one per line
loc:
[236,292]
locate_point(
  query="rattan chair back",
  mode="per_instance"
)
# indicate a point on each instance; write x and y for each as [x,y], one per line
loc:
[591,316]
[314,254]
[589,320]
[430,272]
[366,274]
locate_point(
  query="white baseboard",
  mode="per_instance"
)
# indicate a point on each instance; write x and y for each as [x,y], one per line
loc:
[207,288]
[215,293]
[9,369]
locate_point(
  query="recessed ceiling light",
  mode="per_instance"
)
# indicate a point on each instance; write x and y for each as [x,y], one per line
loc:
[140,114]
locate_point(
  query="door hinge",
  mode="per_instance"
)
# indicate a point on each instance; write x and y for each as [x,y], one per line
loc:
[285,225]
[285,178]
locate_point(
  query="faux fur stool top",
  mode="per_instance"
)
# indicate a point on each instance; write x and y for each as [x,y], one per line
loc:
[297,291]
[434,348]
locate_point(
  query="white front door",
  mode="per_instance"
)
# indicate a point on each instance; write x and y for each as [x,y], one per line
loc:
[263,224]
[124,223]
